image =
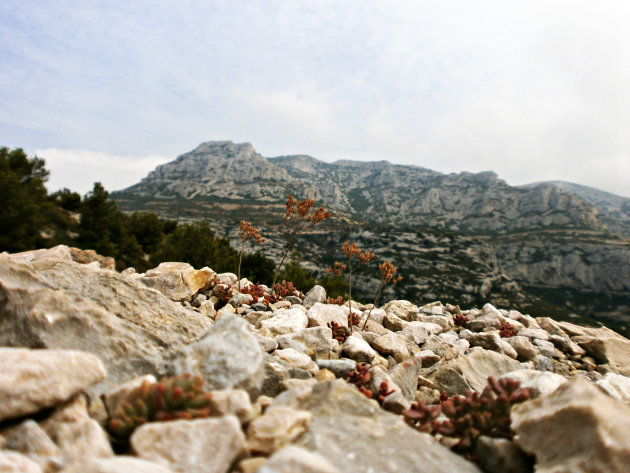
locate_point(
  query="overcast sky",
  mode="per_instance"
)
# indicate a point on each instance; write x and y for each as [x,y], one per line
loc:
[533,90]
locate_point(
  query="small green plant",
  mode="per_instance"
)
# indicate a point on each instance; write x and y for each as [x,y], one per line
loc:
[300,217]
[388,270]
[472,415]
[247,233]
[177,397]
[351,251]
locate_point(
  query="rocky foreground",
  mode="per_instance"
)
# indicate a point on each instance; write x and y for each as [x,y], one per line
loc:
[78,339]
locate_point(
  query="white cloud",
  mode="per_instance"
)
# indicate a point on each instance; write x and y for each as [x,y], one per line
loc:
[532,90]
[78,170]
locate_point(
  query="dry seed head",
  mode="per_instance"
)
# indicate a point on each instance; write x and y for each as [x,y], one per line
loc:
[248,232]
[366,257]
[291,207]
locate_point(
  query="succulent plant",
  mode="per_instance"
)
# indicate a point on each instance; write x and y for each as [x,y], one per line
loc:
[339,332]
[460,320]
[177,397]
[472,415]
[506,330]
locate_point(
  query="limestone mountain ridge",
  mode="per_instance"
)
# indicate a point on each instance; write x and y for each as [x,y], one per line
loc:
[462,236]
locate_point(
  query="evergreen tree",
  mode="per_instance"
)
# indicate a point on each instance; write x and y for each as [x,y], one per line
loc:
[106,229]
[24,200]
[196,244]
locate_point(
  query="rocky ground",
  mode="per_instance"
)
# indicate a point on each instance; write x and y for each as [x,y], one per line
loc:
[288,382]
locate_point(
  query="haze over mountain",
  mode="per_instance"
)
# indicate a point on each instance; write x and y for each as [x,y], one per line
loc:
[451,234]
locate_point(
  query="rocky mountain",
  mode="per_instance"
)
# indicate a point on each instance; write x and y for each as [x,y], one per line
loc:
[461,236]
[160,372]
[614,209]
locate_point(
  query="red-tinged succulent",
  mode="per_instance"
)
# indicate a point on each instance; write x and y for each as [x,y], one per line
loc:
[460,320]
[472,415]
[256,291]
[339,300]
[506,330]
[339,332]
[177,397]
[383,392]
[284,289]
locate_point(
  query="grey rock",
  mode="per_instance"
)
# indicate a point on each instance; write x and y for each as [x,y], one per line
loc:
[405,375]
[314,341]
[193,446]
[590,431]
[31,440]
[420,331]
[178,281]
[441,347]
[276,372]
[605,346]
[13,462]
[293,459]
[543,363]
[120,464]
[534,333]
[498,455]
[403,309]
[566,345]
[232,402]
[395,401]
[293,300]
[394,323]
[616,386]
[259,307]
[358,349]
[469,371]
[316,294]
[228,357]
[354,434]
[78,436]
[524,348]
[320,315]
[339,367]
[278,427]
[446,323]
[545,348]
[32,380]
[296,359]
[286,321]
[391,344]
[239,299]
[58,304]
[540,383]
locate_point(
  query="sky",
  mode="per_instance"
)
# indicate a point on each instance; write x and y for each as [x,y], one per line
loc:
[532,90]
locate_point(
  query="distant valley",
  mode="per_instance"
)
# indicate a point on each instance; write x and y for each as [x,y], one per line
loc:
[551,248]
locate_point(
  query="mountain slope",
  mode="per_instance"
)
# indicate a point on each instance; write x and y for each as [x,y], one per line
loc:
[460,237]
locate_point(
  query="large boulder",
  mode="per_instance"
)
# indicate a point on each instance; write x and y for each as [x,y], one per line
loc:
[470,371]
[577,428]
[228,357]
[354,434]
[32,380]
[603,345]
[60,304]
[192,446]
[178,281]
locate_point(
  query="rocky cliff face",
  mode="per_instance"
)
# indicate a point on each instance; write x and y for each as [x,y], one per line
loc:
[464,236]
